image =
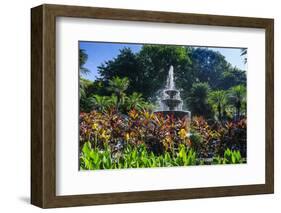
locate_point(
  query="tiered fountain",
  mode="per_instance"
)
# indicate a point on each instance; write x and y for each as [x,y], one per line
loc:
[171,102]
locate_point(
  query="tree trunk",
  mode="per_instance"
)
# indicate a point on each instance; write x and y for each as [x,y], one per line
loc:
[219,110]
[238,109]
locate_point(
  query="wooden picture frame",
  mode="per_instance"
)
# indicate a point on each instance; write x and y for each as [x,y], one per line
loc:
[43,105]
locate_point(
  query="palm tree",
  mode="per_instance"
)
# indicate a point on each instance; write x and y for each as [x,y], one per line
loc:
[83,86]
[135,101]
[217,99]
[118,86]
[112,101]
[244,53]
[100,102]
[83,57]
[197,99]
[237,97]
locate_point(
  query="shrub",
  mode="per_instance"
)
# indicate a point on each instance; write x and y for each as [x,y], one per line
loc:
[109,140]
[210,140]
[233,136]
[230,157]
[137,157]
[156,132]
[205,137]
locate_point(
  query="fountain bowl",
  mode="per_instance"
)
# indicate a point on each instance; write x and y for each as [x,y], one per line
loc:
[171,92]
[171,103]
[178,114]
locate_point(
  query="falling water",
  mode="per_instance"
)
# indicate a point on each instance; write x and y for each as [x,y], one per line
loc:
[170,101]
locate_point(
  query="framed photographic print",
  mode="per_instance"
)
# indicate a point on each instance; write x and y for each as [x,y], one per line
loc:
[136,106]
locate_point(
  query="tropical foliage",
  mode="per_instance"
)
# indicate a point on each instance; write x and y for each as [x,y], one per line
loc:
[138,157]
[119,128]
[127,142]
[110,128]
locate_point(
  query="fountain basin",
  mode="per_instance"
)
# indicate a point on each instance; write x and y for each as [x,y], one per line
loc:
[178,114]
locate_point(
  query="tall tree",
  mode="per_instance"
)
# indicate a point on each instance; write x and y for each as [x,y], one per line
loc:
[197,100]
[147,70]
[237,97]
[155,61]
[231,77]
[125,64]
[217,99]
[83,57]
[208,65]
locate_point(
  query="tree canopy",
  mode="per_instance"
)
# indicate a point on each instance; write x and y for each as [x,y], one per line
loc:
[147,70]
[198,71]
